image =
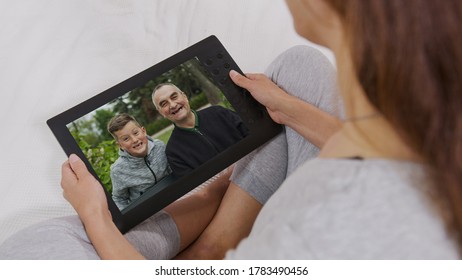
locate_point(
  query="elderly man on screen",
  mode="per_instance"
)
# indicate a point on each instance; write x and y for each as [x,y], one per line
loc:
[198,135]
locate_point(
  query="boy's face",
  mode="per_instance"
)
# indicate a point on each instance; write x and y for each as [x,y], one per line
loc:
[132,139]
[172,103]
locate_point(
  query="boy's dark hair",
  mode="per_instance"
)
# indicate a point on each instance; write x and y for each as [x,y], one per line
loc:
[119,121]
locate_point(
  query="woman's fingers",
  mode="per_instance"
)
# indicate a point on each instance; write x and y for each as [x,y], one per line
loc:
[239,79]
[78,166]
[68,176]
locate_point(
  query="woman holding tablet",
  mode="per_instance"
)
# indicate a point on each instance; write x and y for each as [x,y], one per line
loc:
[387,185]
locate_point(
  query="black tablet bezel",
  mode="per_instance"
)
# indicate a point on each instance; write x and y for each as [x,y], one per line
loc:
[217,62]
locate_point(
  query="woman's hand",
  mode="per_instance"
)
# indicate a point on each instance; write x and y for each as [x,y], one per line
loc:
[87,197]
[82,190]
[313,124]
[264,91]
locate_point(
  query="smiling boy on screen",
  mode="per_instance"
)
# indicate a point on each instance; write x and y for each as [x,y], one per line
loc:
[142,161]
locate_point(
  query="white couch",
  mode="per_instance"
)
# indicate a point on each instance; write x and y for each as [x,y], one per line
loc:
[55,54]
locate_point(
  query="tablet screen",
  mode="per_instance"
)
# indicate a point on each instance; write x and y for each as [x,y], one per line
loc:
[159,134]
[138,153]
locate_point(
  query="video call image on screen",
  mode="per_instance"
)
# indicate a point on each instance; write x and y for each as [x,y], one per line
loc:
[157,132]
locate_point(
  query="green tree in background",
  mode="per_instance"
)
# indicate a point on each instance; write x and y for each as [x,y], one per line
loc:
[189,77]
[100,157]
[102,118]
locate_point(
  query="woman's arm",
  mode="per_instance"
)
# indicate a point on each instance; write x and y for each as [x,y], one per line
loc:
[309,121]
[87,197]
[191,214]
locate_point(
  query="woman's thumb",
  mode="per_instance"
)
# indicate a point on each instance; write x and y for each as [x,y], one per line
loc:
[239,79]
[77,165]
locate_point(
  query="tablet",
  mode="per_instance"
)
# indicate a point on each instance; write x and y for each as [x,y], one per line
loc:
[174,159]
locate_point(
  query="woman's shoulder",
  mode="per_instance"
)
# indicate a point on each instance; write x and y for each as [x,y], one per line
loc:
[360,177]
[356,168]
[352,209]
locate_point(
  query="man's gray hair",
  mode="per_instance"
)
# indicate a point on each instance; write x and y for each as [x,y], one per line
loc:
[157,88]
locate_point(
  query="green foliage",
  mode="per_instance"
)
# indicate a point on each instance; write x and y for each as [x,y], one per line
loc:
[165,136]
[198,101]
[101,157]
[102,118]
[157,126]
[93,130]
[189,77]
[138,102]
[86,130]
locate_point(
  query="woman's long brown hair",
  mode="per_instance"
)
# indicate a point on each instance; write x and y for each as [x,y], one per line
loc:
[408,58]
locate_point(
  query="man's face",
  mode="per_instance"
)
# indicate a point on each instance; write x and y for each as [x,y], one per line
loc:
[172,103]
[132,139]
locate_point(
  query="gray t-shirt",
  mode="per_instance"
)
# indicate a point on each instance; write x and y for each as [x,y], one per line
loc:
[350,209]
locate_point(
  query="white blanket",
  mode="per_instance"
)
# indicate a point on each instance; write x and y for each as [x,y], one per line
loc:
[56,54]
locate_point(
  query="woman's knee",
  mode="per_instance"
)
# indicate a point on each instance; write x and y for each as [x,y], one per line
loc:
[305,72]
[60,238]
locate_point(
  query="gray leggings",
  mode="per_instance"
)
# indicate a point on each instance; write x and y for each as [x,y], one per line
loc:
[307,74]
[301,71]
